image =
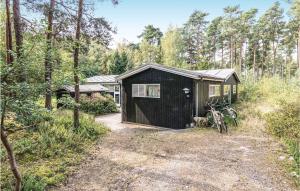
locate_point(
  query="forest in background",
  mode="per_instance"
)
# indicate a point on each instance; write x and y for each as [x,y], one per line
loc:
[63,43]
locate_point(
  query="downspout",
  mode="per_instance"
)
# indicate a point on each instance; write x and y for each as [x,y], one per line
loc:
[121,100]
[197,98]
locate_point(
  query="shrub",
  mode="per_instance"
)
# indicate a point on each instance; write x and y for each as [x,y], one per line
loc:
[30,182]
[98,105]
[285,122]
[45,153]
[249,90]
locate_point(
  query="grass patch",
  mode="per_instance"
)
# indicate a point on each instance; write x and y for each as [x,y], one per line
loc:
[46,154]
[276,103]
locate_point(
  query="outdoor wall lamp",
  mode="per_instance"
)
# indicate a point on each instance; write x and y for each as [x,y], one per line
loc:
[186,91]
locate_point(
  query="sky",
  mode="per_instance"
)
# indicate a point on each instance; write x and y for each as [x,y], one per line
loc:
[131,16]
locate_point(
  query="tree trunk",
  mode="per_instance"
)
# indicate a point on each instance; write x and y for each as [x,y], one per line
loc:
[17,26]
[263,61]
[281,66]
[222,62]
[254,62]
[10,153]
[8,33]
[4,140]
[241,57]
[12,160]
[76,65]
[215,63]
[235,55]
[214,52]
[230,52]
[298,49]
[19,38]
[274,57]
[48,61]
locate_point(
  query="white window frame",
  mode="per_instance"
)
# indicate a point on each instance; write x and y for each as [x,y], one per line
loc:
[214,95]
[117,86]
[144,93]
[229,89]
[234,90]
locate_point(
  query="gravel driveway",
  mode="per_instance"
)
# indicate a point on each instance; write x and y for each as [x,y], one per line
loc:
[134,157]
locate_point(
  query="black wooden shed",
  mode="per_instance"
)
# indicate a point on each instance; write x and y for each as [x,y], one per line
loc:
[164,96]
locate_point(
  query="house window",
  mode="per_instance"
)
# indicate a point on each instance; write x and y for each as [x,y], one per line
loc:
[110,88]
[146,90]
[135,90]
[234,89]
[153,90]
[214,90]
[117,88]
[117,98]
[226,89]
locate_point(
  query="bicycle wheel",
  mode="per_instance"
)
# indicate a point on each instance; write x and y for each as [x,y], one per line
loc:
[218,121]
[224,126]
[233,113]
[235,122]
[234,116]
[210,118]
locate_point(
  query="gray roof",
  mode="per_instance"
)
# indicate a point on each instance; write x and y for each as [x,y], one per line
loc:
[216,75]
[102,79]
[86,88]
[220,73]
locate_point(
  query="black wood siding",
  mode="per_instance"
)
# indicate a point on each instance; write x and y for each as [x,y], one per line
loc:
[173,109]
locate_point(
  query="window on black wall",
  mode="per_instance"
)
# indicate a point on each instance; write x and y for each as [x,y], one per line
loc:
[146,90]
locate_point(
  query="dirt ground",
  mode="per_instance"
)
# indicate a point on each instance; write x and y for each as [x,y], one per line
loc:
[135,157]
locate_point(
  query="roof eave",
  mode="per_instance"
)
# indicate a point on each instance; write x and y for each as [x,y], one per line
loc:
[148,66]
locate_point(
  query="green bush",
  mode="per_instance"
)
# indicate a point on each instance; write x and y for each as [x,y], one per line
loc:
[248,90]
[285,122]
[32,183]
[45,153]
[98,105]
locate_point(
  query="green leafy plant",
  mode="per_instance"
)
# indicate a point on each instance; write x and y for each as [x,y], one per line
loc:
[97,104]
[31,183]
[45,153]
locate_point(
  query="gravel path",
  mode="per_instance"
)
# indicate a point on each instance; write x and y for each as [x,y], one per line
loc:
[135,157]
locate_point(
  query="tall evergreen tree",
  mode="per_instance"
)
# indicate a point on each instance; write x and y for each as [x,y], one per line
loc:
[152,35]
[214,39]
[230,31]
[272,27]
[119,62]
[194,37]
[48,60]
[295,9]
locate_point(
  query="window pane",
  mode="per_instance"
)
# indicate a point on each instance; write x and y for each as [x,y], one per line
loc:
[214,90]
[117,88]
[234,89]
[217,90]
[117,98]
[153,91]
[141,90]
[226,89]
[211,90]
[135,90]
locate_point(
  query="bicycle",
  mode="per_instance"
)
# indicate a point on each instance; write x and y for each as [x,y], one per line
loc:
[216,118]
[229,111]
